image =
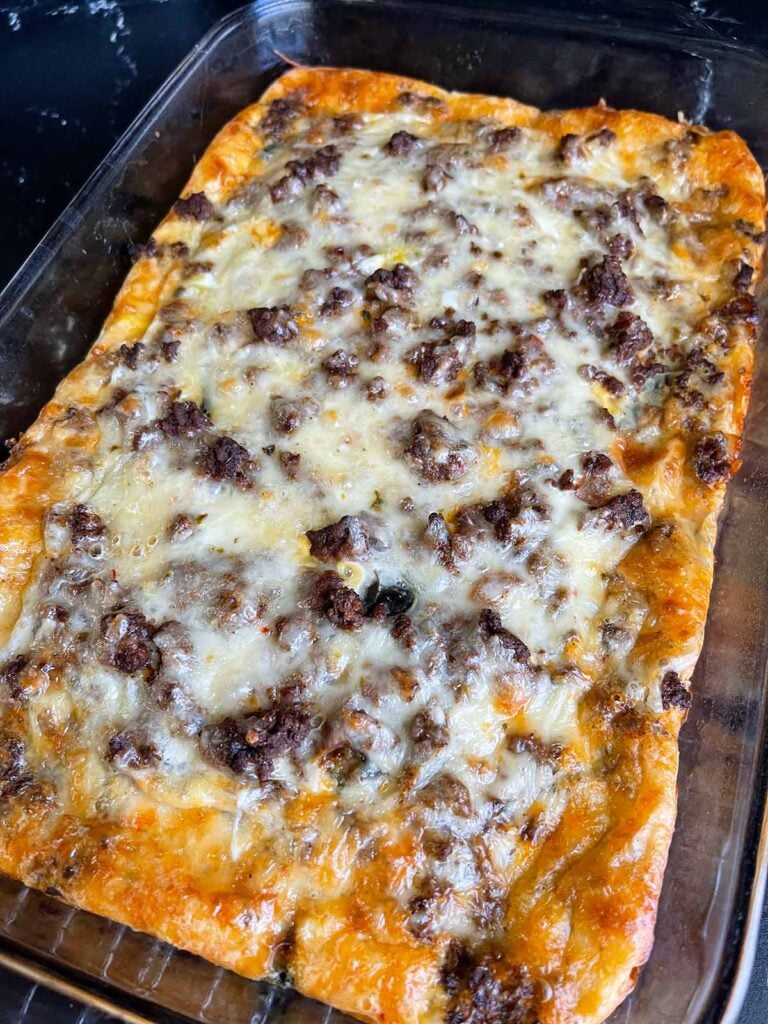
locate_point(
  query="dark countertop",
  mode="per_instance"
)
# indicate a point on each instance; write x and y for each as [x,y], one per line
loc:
[74,73]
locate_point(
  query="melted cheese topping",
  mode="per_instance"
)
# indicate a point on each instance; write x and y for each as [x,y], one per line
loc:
[467,726]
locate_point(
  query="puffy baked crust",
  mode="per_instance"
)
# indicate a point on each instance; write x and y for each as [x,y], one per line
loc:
[583,911]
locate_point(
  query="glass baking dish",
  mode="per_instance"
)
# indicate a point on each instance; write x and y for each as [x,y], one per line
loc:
[51,312]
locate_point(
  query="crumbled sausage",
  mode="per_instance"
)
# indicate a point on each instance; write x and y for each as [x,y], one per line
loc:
[391,286]
[422,908]
[402,143]
[226,459]
[169,349]
[622,512]
[603,137]
[628,335]
[434,449]
[394,320]
[289,463]
[556,298]
[184,419]
[403,632]
[11,676]
[565,482]
[337,300]
[126,641]
[436,361]
[621,246]
[129,749]
[420,101]
[376,389]
[483,989]
[281,113]
[435,178]
[595,484]
[489,625]
[345,124]
[273,325]
[250,745]
[522,367]
[340,605]
[180,527]
[85,526]
[615,638]
[460,224]
[350,538]
[446,793]
[340,368]
[287,414]
[441,361]
[656,206]
[569,149]
[438,538]
[130,354]
[293,236]
[195,207]
[427,735]
[674,693]
[743,308]
[502,138]
[286,187]
[712,458]
[606,283]
[324,163]
[606,380]
[324,200]
[544,753]
[510,516]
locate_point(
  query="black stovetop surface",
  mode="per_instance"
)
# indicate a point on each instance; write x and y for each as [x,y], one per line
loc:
[73,75]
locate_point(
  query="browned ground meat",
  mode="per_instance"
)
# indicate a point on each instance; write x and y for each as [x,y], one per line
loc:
[712,458]
[391,286]
[489,626]
[502,138]
[674,693]
[184,419]
[85,526]
[483,989]
[129,749]
[273,325]
[402,143]
[622,512]
[611,384]
[605,283]
[280,114]
[337,300]
[340,605]
[131,354]
[126,641]
[249,745]
[340,368]
[427,735]
[225,459]
[628,335]
[350,537]
[287,414]
[194,207]
[435,450]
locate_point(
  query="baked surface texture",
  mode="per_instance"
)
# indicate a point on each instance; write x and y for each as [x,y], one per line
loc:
[351,587]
